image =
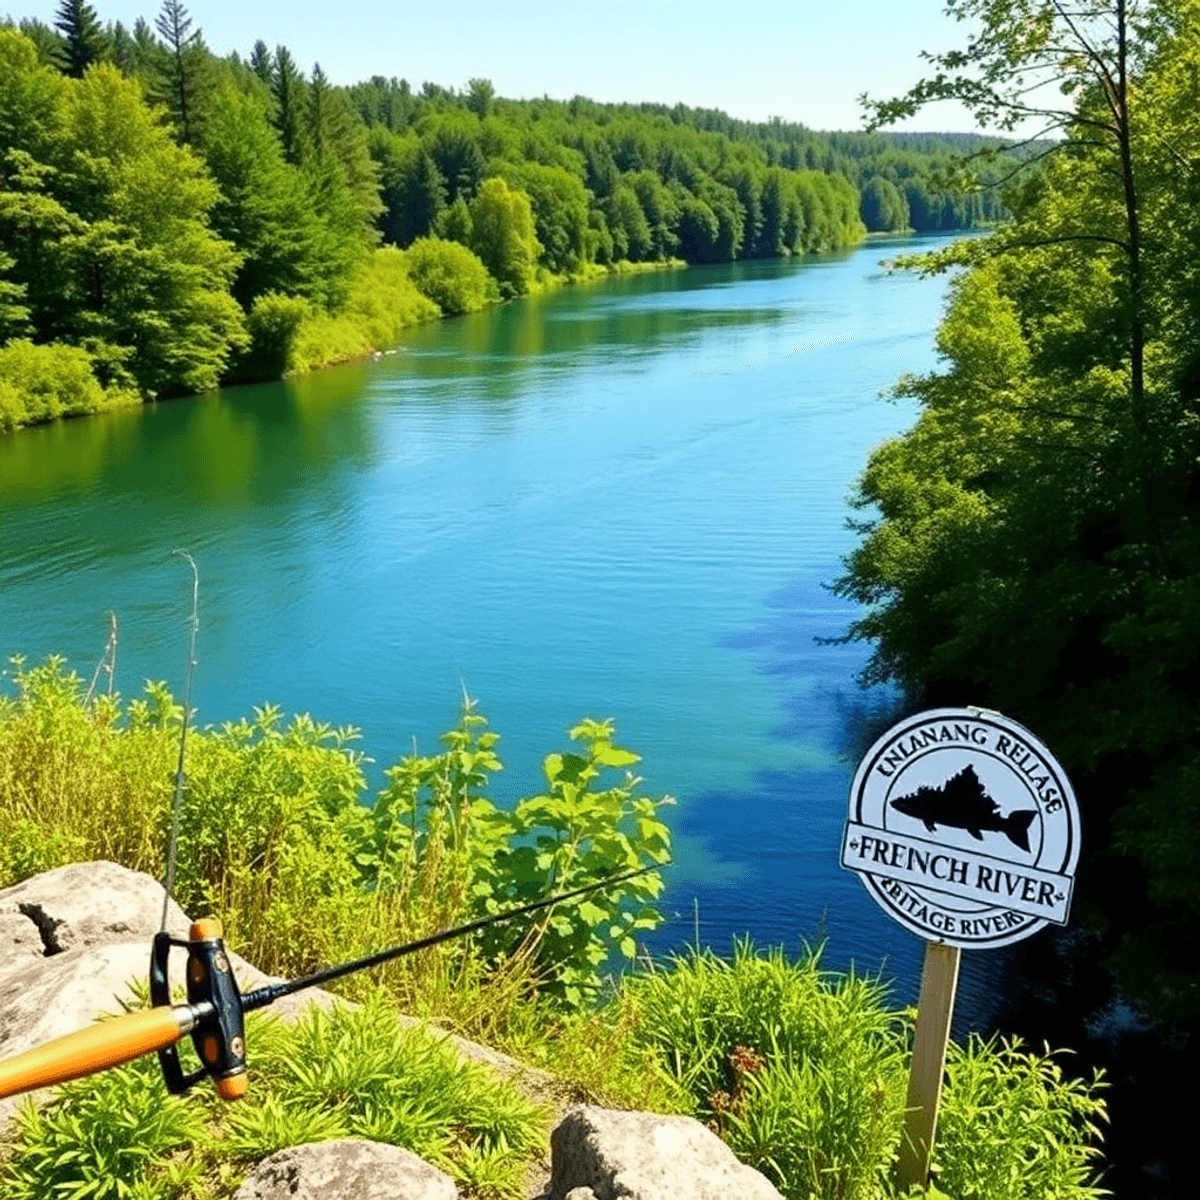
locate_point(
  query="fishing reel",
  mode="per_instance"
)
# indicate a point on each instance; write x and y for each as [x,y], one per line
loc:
[219,1033]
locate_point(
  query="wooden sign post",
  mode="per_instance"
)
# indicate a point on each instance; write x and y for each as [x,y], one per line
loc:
[963,828]
[939,982]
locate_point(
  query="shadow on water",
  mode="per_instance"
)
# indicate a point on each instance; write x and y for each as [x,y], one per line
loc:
[1052,990]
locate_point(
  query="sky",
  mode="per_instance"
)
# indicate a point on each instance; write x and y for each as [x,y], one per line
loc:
[802,60]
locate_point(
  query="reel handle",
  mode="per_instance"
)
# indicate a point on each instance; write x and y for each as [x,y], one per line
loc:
[219,1035]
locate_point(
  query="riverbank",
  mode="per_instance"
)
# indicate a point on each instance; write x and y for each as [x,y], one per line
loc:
[320,341]
[286,337]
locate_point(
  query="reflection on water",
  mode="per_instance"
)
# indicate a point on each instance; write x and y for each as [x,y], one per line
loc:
[621,500]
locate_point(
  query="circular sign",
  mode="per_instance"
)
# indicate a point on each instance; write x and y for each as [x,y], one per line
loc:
[964,828]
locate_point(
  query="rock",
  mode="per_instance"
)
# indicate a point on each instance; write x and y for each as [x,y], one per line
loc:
[83,905]
[346,1170]
[645,1156]
[71,942]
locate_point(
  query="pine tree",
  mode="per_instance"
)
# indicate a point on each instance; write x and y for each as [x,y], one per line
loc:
[261,62]
[287,86]
[183,71]
[83,39]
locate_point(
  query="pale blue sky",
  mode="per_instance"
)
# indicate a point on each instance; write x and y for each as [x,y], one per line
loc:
[803,60]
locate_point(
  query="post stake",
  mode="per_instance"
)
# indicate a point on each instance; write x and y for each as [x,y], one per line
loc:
[939,981]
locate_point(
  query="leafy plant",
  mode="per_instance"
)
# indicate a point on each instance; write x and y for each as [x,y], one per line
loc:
[360,1073]
[572,835]
[802,1071]
[112,1136]
[1013,1127]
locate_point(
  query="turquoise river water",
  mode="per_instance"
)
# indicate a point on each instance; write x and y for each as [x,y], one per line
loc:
[619,500]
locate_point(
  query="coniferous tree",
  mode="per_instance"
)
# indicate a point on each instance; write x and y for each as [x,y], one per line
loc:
[120,43]
[183,72]
[261,62]
[480,97]
[288,87]
[49,44]
[146,47]
[265,208]
[83,39]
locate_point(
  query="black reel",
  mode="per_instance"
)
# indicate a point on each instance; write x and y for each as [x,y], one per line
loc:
[219,1035]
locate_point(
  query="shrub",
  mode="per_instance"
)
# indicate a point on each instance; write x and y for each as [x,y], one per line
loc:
[40,383]
[804,1073]
[273,324]
[452,276]
[269,826]
[322,340]
[385,300]
[1012,1127]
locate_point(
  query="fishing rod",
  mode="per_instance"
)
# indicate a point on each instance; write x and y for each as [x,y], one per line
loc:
[215,1012]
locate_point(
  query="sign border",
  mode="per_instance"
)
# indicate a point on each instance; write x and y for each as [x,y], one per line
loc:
[882,887]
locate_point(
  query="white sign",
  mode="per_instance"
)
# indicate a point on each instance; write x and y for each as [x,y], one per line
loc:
[964,828]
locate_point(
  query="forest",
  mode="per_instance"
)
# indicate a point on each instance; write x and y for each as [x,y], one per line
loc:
[1031,544]
[171,220]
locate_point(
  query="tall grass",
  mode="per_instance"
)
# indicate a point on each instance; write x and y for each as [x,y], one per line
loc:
[801,1070]
[804,1072]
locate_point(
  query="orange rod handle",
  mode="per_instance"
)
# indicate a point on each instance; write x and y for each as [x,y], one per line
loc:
[104,1044]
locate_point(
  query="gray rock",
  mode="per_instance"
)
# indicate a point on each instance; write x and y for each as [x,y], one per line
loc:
[645,1156]
[346,1170]
[72,941]
[79,906]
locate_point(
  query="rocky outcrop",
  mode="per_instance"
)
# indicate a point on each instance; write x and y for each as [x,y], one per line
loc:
[72,940]
[601,1154]
[346,1170]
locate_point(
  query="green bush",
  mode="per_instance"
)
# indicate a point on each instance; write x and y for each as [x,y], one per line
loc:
[12,408]
[273,324]
[289,337]
[385,300]
[801,1070]
[804,1073]
[1012,1127]
[440,842]
[451,276]
[323,340]
[269,826]
[40,383]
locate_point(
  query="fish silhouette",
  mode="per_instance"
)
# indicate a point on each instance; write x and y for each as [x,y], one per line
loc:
[962,803]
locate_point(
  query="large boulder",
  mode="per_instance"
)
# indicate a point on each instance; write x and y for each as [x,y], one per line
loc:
[346,1170]
[72,941]
[645,1156]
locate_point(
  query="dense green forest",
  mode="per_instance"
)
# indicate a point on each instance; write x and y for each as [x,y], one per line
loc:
[170,220]
[1033,543]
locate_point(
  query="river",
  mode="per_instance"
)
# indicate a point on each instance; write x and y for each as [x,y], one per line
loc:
[625,499]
